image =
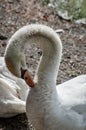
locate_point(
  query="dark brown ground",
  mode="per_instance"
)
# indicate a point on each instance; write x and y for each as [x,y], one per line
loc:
[16,13]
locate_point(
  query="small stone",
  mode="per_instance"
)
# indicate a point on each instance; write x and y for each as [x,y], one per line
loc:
[40,53]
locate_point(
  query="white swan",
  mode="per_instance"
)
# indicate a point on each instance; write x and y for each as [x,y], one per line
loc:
[49,107]
[13,92]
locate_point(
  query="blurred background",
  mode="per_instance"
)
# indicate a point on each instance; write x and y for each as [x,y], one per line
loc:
[67,15]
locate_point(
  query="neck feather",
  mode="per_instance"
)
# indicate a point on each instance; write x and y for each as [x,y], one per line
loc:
[49,42]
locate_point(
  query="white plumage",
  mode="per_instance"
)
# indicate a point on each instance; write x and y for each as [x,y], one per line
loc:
[50,107]
[13,93]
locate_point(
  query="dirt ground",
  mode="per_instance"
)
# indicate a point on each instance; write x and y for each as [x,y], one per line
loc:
[16,13]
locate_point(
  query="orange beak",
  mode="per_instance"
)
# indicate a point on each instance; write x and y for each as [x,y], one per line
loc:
[26,76]
[28,79]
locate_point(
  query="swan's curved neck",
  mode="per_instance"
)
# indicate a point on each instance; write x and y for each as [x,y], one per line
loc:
[49,63]
[47,39]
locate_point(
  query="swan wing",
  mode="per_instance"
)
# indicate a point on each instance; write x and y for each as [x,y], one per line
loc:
[72,94]
[13,92]
[24,89]
[13,81]
[10,102]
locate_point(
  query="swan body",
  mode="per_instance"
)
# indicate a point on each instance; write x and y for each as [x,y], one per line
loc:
[13,93]
[49,107]
[75,89]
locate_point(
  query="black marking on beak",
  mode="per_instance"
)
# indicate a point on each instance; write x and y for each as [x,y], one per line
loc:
[22,72]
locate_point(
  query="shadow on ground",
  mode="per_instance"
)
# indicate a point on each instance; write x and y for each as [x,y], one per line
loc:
[18,122]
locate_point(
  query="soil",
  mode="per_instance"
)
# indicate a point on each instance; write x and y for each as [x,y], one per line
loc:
[16,13]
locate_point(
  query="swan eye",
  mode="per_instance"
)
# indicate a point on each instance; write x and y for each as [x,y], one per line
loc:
[26,78]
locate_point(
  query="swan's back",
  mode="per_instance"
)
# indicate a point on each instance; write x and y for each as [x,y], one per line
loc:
[74,90]
[72,94]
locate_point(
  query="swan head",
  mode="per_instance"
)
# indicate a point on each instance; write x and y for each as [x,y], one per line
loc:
[50,43]
[17,66]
